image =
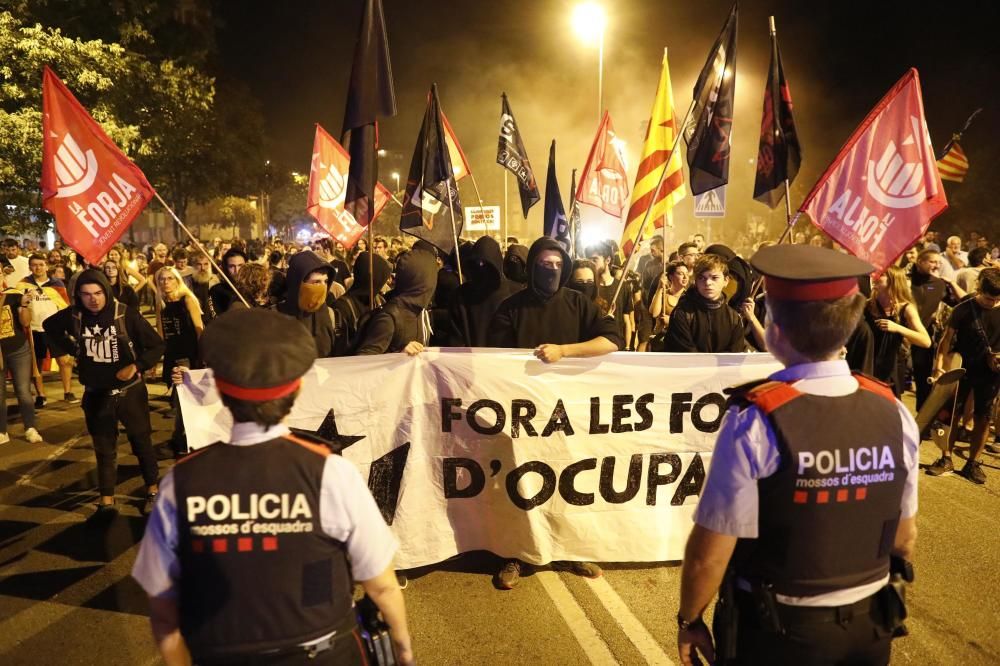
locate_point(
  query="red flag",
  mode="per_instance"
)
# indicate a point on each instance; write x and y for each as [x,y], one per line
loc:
[603,183]
[328,190]
[90,186]
[459,165]
[883,189]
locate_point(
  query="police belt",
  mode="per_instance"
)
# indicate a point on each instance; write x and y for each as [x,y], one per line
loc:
[801,615]
[309,650]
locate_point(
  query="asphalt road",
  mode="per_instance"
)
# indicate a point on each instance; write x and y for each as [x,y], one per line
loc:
[66,596]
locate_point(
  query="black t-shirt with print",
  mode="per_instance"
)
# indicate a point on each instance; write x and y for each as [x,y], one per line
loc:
[12,336]
[969,342]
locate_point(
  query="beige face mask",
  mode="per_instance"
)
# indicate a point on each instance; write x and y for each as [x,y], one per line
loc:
[311,297]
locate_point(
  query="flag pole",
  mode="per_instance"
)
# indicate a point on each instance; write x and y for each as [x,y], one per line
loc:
[371,266]
[198,245]
[652,203]
[454,233]
[506,215]
[475,186]
[573,230]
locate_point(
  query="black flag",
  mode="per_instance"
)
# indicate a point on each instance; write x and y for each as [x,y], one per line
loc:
[709,131]
[431,197]
[512,156]
[779,154]
[370,96]
[556,224]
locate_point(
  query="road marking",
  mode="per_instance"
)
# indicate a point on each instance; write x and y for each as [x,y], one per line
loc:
[583,630]
[27,477]
[633,629]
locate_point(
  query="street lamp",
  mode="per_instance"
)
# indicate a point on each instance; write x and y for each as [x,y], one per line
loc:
[395,177]
[589,22]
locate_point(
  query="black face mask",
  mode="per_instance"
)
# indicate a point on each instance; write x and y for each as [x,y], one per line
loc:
[547,280]
[586,287]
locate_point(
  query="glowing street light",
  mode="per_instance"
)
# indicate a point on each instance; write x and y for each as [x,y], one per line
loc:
[589,22]
[395,177]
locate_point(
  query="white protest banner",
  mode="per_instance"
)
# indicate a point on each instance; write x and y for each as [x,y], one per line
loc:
[482,218]
[598,459]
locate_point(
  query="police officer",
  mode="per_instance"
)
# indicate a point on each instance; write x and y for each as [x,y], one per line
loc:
[812,491]
[250,551]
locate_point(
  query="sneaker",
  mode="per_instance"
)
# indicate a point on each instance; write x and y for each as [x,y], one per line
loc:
[510,575]
[941,466]
[585,569]
[147,508]
[973,471]
[992,448]
[70,398]
[402,580]
[103,515]
[39,402]
[33,436]
[4,438]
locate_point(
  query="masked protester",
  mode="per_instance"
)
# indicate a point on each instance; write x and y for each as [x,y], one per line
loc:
[113,346]
[403,324]
[515,264]
[306,293]
[556,323]
[476,301]
[356,303]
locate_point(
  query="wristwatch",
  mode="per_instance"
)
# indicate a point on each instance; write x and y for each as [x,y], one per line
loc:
[684,625]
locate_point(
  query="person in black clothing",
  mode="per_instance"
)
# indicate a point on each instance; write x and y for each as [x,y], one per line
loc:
[929,291]
[556,323]
[356,303]
[403,324]
[111,362]
[974,327]
[181,324]
[120,288]
[892,316]
[307,293]
[607,285]
[702,321]
[222,294]
[474,304]
[515,264]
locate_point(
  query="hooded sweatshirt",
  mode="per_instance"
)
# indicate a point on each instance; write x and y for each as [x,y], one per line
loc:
[474,304]
[515,264]
[404,317]
[533,316]
[103,350]
[353,305]
[320,322]
[698,325]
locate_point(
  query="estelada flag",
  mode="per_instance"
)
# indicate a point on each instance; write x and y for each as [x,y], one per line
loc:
[954,165]
[660,134]
[883,189]
[88,184]
[328,179]
[603,181]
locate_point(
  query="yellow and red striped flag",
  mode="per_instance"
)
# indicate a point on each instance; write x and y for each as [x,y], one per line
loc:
[660,134]
[954,165]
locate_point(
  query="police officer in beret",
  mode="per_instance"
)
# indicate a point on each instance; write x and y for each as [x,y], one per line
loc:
[811,498]
[252,546]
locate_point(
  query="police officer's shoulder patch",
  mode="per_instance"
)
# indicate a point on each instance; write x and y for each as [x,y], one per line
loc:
[737,395]
[312,441]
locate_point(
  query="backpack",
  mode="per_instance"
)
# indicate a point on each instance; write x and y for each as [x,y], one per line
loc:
[364,323]
[119,323]
[345,327]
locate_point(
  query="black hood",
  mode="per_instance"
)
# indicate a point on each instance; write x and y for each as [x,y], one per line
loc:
[483,266]
[93,276]
[382,272]
[416,279]
[539,246]
[515,264]
[299,268]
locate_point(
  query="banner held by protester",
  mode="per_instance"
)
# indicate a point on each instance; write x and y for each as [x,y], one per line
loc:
[495,450]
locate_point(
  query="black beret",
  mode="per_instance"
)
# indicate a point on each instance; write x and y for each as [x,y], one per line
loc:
[808,273]
[257,354]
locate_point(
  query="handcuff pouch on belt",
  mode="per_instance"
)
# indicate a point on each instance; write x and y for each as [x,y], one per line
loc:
[892,598]
[725,619]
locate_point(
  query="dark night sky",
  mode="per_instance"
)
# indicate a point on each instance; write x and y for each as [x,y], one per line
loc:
[840,58]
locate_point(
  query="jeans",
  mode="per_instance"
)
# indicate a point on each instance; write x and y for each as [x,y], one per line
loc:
[19,364]
[102,412]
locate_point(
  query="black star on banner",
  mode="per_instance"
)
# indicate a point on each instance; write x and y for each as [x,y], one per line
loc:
[385,477]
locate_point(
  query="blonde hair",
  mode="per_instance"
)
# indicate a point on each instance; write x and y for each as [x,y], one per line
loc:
[182,288]
[898,288]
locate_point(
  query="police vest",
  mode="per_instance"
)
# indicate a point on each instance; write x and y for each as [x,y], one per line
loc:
[256,570]
[828,516]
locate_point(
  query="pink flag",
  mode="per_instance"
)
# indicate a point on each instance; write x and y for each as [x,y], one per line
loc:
[328,190]
[883,189]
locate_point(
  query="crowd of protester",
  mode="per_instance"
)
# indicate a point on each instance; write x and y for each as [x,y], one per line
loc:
[405,296]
